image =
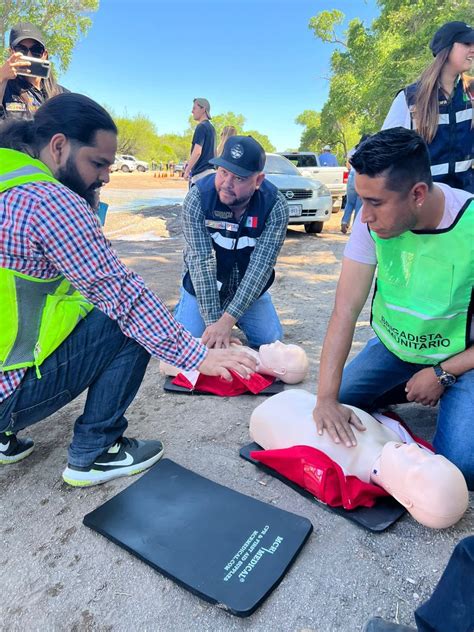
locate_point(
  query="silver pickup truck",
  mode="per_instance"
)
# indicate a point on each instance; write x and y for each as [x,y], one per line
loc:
[335,178]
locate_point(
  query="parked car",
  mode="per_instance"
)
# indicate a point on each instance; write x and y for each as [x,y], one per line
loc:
[123,164]
[127,163]
[179,168]
[309,200]
[335,178]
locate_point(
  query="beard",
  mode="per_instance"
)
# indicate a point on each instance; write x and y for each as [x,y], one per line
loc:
[69,176]
[236,202]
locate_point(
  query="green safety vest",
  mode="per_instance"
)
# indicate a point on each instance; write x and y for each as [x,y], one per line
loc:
[422,305]
[37,315]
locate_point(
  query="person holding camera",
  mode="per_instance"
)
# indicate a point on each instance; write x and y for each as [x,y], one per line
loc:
[22,94]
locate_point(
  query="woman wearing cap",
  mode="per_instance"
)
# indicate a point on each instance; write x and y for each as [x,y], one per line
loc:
[440,106]
[21,96]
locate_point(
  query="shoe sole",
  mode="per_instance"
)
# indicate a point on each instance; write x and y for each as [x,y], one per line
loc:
[83,479]
[15,458]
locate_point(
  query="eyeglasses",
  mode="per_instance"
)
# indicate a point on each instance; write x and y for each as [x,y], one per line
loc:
[36,50]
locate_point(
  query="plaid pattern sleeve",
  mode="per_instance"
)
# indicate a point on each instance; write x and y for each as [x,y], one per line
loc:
[199,258]
[64,231]
[262,260]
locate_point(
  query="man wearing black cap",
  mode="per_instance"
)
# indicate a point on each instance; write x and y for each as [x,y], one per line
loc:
[234,224]
[203,146]
[21,96]
[440,106]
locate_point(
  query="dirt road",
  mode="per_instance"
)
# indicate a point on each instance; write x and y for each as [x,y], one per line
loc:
[59,575]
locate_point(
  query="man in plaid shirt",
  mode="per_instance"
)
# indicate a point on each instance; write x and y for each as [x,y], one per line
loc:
[74,317]
[234,224]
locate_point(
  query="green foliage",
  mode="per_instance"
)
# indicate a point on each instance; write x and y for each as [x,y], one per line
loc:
[371,64]
[63,22]
[228,118]
[138,136]
[262,139]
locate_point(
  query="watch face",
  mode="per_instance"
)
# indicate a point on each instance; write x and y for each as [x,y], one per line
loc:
[447,379]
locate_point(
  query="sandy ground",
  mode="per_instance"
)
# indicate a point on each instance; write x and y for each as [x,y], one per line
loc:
[59,575]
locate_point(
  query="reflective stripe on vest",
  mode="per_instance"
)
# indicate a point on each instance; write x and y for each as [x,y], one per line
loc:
[451,149]
[233,241]
[230,244]
[422,305]
[37,314]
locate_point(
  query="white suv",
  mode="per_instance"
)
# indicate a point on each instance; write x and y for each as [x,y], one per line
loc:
[127,163]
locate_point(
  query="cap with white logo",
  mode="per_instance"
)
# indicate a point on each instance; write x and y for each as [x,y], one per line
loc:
[242,155]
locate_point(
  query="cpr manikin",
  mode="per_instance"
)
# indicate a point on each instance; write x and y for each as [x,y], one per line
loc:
[430,487]
[288,363]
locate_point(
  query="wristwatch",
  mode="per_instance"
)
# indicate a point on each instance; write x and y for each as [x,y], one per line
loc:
[444,378]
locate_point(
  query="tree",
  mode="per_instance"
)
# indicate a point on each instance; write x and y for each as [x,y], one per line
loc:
[62,22]
[311,121]
[136,135]
[228,118]
[372,63]
[261,138]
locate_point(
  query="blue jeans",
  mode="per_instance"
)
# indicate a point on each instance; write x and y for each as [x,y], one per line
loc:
[96,356]
[260,323]
[353,203]
[451,606]
[376,371]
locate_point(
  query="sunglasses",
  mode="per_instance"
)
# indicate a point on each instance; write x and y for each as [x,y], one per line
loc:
[36,50]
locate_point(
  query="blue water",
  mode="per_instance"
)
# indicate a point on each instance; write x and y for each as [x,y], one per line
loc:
[137,199]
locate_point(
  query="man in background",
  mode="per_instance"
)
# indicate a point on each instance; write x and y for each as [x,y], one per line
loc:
[326,159]
[203,144]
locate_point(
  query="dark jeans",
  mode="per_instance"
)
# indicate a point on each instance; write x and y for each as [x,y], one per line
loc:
[374,374]
[96,356]
[451,606]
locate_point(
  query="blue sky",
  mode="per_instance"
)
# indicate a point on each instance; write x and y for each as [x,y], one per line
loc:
[253,57]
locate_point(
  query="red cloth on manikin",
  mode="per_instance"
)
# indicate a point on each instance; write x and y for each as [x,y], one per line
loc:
[316,472]
[218,386]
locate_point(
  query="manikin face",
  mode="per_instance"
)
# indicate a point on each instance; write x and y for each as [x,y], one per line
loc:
[461,57]
[388,213]
[84,169]
[236,191]
[431,488]
[289,362]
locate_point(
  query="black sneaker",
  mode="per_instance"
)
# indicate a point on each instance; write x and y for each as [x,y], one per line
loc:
[13,449]
[124,458]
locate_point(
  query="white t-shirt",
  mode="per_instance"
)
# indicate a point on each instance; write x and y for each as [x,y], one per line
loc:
[361,246]
[399,114]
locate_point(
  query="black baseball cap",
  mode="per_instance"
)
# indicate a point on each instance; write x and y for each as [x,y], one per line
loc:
[25,30]
[449,33]
[242,155]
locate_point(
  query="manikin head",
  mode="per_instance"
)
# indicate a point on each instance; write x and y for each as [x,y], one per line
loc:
[289,363]
[431,488]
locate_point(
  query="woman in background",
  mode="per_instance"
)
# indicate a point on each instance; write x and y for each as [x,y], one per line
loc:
[20,95]
[439,106]
[227,132]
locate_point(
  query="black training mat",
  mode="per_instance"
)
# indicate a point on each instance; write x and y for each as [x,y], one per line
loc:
[382,515]
[169,387]
[221,545]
